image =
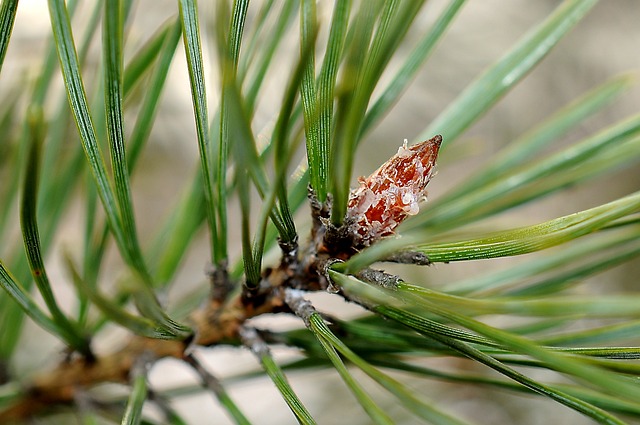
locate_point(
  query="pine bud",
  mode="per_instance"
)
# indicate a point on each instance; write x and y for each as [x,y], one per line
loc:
[392,192]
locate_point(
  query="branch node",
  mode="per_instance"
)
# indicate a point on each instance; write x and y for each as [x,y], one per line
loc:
[380,278]
[221,286]
[207,379]
[409,257]
[318,209]
[299,305]
[252,340]
[289,251]
[142,364]
[332,288]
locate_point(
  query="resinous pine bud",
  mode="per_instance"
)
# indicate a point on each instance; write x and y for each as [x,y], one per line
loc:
[393,191]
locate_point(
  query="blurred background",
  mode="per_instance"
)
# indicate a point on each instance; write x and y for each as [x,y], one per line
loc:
[605,44]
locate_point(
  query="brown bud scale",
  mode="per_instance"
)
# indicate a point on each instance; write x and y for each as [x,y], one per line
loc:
[393,192]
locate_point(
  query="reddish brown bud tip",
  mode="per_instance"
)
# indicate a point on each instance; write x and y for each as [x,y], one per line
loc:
[393,191]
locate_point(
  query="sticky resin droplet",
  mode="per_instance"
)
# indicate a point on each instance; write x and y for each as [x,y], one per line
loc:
[385,198]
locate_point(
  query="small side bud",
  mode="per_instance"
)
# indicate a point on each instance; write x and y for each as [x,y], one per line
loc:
[393,192]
